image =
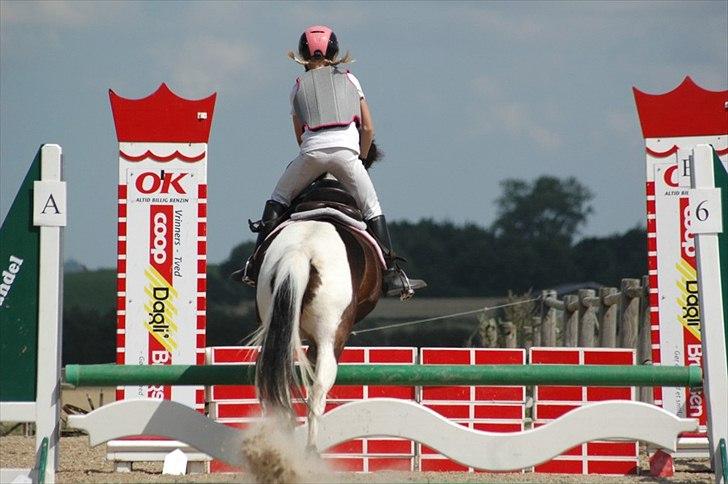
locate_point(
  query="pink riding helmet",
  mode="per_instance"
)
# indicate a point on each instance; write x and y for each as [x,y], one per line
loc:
[318,41]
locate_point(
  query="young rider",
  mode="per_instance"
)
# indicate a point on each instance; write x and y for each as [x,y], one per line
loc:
[333,127]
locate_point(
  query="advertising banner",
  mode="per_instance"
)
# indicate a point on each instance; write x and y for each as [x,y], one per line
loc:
[678,297]
[162,243]
[672,124]
[19,278]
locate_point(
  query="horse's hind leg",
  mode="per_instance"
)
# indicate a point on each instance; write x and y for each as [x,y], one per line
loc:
[324,378]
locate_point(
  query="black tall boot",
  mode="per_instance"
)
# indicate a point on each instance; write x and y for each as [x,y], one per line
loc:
[395,282]
[271,214]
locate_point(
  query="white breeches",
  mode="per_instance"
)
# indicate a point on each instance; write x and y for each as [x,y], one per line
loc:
[342,163]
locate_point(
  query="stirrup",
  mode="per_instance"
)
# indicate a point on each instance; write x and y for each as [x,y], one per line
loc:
[407,291]
[256,226]
[246,277]
[241,275]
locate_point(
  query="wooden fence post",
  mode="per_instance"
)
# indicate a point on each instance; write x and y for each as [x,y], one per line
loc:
[571,320]
[536,329]
[630,312]
[488,333]
[548,319]
[608,309]
[588,317]
[527,337]
[644,349]
[510,338]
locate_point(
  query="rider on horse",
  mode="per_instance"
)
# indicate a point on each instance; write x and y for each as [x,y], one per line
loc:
[333,127]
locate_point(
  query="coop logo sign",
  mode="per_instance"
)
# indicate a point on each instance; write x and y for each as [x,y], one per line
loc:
[160,183]
[158,250]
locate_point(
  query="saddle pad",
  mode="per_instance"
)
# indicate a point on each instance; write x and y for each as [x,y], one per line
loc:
[317,214]
[328,212]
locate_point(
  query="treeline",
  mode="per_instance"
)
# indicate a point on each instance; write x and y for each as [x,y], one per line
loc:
[472,261]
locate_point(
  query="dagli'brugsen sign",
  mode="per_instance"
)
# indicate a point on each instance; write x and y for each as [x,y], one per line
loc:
[162,245]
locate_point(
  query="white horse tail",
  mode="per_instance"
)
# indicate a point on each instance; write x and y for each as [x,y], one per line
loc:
[279,337]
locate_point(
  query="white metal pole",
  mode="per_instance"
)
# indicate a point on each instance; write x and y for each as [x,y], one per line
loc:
[715,366]
[49,211]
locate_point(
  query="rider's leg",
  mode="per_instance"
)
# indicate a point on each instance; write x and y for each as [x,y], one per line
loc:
[394,282]
[271,213]
[346,166]
[298,174]
[349,170]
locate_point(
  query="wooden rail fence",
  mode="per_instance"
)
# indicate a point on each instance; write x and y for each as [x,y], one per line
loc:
[609,318]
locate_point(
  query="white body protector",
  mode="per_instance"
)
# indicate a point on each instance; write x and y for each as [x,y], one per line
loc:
[326,98]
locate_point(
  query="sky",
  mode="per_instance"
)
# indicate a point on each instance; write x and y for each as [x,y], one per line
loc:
[463,96]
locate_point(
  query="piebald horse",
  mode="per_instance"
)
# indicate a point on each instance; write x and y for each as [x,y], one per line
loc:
[317,279]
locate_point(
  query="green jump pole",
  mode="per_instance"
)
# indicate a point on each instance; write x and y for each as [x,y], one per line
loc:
[410,375]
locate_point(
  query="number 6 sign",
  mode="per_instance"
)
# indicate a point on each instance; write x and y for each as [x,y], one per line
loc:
[705,211]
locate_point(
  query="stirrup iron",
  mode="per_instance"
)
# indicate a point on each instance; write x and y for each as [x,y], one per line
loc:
[256,226]
[246,279]
[408,291]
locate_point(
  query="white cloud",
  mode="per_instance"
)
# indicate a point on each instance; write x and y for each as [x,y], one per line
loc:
[496,21]
[59,13]
[338,16]
[519,121]
[205,64]
[517,118]
[622,122]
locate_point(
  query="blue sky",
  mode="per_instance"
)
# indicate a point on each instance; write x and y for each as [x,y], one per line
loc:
[463,96]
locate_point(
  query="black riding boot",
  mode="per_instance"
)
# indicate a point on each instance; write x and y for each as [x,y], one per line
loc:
[395,282]
[271,213]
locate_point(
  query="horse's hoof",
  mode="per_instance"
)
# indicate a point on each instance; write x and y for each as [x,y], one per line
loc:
[312,450]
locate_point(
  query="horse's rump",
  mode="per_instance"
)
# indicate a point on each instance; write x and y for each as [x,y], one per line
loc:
[366,270]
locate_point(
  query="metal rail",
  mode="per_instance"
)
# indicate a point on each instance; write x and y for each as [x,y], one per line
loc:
[415,375]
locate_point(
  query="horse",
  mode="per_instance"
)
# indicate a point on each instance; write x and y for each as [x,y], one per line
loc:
[318,277]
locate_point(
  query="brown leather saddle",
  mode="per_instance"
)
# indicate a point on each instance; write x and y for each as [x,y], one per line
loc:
[321,198]
[326,193]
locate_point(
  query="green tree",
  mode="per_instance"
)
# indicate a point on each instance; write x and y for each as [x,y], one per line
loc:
[536,226]
[547,209]
[607,260]
[455,261]
[220,288]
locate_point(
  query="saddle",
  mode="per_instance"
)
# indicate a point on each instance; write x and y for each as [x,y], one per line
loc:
[324,199]
[327,192]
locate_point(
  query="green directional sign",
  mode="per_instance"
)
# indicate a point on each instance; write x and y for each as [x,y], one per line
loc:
[19,259]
